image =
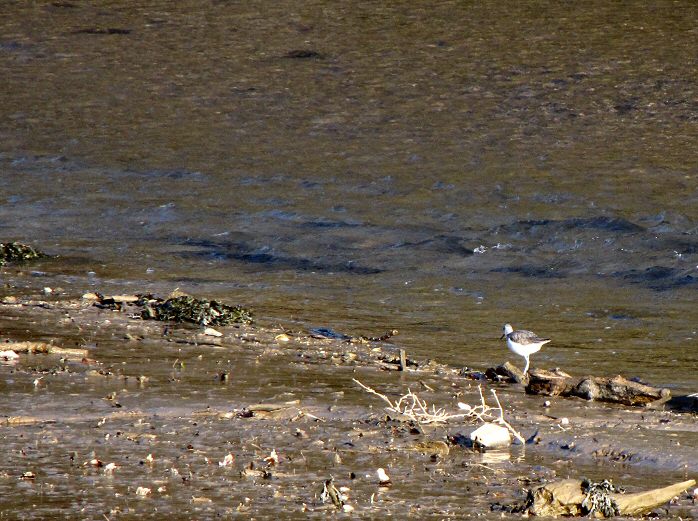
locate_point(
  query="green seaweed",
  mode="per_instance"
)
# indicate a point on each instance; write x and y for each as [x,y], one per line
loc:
[598,498]
[17,252]
[198,311]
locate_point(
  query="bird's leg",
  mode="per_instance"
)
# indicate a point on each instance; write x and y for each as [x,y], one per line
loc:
[526,368]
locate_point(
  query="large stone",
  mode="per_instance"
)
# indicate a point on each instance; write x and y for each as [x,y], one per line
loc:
[490,436]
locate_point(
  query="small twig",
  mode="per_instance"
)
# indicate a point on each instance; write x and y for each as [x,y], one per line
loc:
[416,409]
[382,396]
[427,387]
[403,360]
[502,421]
[317,418]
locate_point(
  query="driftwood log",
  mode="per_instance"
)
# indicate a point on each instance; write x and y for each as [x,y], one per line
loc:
[507,372]
[567,498]
[44,348]
[616,389]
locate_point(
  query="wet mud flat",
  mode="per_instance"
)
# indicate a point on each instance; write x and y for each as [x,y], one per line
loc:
[137,418]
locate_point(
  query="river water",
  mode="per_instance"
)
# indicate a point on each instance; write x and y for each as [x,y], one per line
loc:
[439,168]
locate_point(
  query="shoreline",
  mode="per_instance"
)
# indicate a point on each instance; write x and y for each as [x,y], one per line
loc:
[141,375]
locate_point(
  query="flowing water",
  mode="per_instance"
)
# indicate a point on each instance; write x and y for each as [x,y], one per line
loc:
[438,168]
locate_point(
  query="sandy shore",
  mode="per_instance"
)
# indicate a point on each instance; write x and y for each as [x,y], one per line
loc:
[144,421]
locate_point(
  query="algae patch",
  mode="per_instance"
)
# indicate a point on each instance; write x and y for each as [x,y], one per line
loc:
[17,252]
[198,311]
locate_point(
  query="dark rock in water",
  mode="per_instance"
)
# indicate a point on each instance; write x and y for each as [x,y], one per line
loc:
[684,403]
[17,252]
[472,374]
[442,243]
[544,272]
[242,252]
[658,277]
[326,332]
[459,440]
[303,54]
[611,224]
[99,30]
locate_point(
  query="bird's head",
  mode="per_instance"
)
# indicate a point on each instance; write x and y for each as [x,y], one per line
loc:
[506,330]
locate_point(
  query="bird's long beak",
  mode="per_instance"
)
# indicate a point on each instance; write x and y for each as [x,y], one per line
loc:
[503,335]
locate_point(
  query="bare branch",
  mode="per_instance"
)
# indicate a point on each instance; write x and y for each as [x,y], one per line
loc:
[418,410]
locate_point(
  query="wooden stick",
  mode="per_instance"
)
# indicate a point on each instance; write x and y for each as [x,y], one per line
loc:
[642,502]
[44,348]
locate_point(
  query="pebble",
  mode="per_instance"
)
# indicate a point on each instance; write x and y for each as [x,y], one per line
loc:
[209,331]
[383,478]
[490,435]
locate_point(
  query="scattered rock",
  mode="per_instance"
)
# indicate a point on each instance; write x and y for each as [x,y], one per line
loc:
[438,447]
[226,461]
[383,478]
[507,372]
[303,54]
[272,459]
[616,389]
[143,491]
[209,331]
[490,435]
[268,410]
[8,355]
[331,494]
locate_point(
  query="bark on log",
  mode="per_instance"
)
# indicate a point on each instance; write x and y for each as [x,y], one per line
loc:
[508,372]
[564,498]
[549,383]
[642,502]
[616,389]
[620,390]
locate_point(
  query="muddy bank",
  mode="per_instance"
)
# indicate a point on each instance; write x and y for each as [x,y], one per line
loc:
[147,420]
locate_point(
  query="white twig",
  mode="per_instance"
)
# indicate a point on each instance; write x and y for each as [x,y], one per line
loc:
[414,408]
[502,421]
[418,410]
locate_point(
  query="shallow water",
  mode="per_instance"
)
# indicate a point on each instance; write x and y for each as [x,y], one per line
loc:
[185,148]
[439,169]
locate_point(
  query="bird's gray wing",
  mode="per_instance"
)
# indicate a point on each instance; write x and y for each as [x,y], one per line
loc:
[521,336]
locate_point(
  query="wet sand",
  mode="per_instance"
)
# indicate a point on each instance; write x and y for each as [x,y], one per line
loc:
[188,400]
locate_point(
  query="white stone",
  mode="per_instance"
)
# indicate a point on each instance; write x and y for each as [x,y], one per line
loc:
[490,435]
[383,477]
[212,332]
